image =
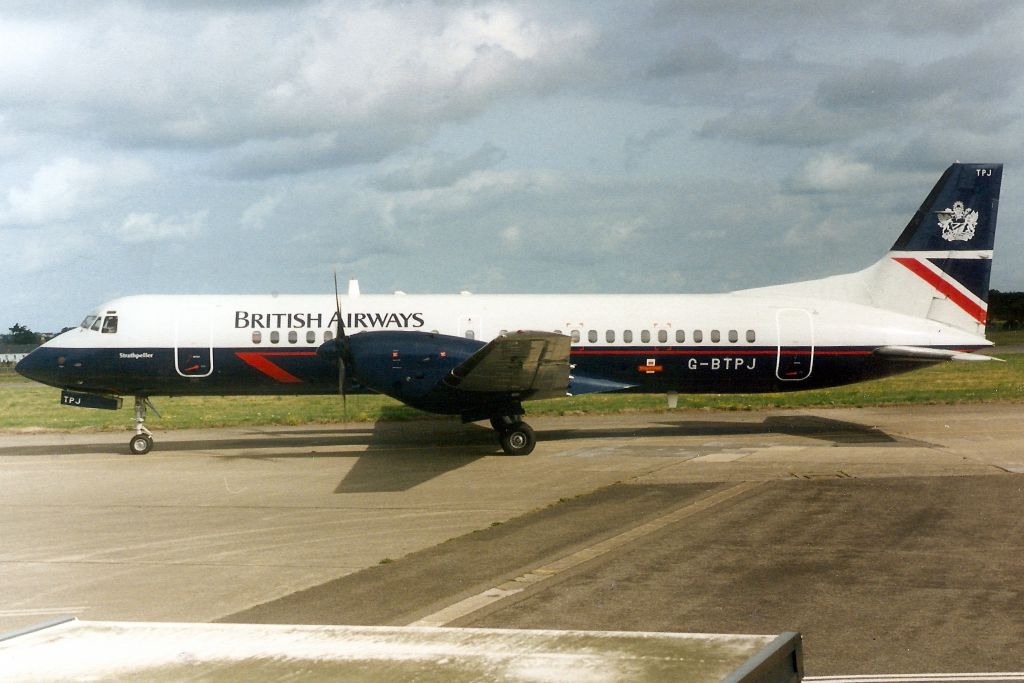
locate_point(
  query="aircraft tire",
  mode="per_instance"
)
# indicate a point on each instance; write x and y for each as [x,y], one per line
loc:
[518,439]
[140,444]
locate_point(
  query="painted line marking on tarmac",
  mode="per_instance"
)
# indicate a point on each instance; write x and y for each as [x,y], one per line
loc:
[520,583]
[919,678]
[41,611]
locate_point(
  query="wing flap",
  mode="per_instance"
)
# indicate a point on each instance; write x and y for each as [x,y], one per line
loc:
[925,354]
[534,364]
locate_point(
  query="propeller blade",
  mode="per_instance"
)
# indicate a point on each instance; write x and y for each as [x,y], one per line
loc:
[340,329]
[339,345]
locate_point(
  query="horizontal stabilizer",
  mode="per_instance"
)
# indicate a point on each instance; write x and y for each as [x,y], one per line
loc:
[924,354]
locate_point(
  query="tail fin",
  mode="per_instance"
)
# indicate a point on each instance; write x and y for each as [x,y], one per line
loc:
[939,267]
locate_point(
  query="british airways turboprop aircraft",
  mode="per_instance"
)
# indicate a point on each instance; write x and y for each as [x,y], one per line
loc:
[482,356]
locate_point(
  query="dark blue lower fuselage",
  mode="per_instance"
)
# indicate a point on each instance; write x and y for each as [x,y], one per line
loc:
[300,370]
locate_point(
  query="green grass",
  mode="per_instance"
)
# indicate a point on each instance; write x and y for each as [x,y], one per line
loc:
[24,405]
[7,374]
[1006,338]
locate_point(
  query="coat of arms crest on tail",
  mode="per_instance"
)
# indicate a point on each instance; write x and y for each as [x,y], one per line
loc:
[958,223]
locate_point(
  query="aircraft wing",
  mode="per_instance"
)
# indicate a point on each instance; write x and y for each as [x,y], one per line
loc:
[925,354]
[532,364]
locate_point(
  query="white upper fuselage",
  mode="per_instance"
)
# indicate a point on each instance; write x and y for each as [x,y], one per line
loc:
[600,320]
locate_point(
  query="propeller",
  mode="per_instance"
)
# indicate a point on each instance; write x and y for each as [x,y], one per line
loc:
[340,347]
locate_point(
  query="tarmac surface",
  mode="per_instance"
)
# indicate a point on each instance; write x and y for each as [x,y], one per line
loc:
[891,538]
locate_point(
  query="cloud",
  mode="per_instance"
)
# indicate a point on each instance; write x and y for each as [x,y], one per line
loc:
[256,215]
[550,226]
[963,90]
[54,193]
[699,56]
[149,227]
[830,173]
[340,84]
[910,17]
[636,147]
[801,125]
[26,256]
[955,94]
[61,189]
[439,170]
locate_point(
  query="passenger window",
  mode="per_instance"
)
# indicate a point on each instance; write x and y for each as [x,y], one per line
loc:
[609,336]
[110,324]
[558,332]
[592,336]
[257,336]
[627,336]
[328,336]
[310,337]
[716,336]
[575,335]
[645,336]
[698,336]
[470,334]
[680,336]
[293,337]
[662,336]
[275,337]
[734,336]
[751,337]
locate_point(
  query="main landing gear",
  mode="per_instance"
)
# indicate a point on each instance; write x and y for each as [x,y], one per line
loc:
[515,436]
[142,442]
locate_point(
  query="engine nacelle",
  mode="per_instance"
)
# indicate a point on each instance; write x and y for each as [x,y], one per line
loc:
[408,366]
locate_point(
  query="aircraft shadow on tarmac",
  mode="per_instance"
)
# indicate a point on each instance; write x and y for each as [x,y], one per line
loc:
[396,456]
[839,432]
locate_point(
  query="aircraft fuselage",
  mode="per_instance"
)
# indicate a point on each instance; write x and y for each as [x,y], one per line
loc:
[721,343]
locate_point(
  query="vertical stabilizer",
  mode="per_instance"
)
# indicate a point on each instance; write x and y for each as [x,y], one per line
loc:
[939,267]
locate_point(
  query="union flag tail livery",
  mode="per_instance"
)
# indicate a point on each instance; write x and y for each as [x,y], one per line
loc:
[481,356]
[943,259]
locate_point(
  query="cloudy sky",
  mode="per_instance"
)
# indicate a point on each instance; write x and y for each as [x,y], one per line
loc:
[216,146]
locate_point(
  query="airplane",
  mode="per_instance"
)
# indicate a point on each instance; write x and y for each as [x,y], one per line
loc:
[482,356]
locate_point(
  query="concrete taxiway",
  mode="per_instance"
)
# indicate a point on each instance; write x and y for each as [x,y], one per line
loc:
[892,538]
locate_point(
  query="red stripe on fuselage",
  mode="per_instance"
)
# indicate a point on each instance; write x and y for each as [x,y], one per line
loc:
[258,360]
[723,351]
[955,295]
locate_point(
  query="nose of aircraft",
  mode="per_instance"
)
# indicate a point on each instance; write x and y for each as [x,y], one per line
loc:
[38,367]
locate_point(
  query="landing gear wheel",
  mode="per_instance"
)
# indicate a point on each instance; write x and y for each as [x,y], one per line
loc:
[518,439]
[140,444]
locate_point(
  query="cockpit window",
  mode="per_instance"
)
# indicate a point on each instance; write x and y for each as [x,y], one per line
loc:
[96,324]
[89,320]
[110,324]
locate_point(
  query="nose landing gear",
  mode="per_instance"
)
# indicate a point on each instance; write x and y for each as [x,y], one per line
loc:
[142,442]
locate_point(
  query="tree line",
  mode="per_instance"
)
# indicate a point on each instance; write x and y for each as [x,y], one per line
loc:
[20,335]
[1005,310]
